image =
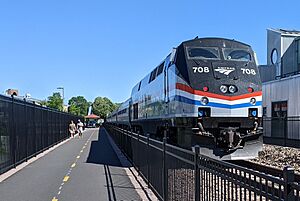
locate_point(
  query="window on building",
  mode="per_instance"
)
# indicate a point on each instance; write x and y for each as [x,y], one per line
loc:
[279,109]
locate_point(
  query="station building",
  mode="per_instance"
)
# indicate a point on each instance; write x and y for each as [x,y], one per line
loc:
[281,88]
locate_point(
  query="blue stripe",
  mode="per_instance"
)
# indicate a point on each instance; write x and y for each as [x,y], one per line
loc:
[212,104]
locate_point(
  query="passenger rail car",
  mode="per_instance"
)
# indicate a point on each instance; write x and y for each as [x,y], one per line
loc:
[208,91]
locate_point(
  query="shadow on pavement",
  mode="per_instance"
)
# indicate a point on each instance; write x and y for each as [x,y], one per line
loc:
[101,151]
[118,184]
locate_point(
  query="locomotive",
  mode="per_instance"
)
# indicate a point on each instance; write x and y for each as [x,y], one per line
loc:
[208,92]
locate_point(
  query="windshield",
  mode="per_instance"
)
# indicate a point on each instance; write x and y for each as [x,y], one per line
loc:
[203,53]
[236,54]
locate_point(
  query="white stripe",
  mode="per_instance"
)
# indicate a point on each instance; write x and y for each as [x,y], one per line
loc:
[217,100]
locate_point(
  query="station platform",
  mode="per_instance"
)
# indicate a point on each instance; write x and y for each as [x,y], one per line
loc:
[81,169]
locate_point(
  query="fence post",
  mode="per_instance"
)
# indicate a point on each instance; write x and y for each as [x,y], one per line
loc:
[288,176]
[148,168]
[26,129]
[284,119]
[165,178]
[34,129]
[196,150]
[13,130]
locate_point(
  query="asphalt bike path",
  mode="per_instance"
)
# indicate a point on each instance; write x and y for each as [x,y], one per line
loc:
[82,169]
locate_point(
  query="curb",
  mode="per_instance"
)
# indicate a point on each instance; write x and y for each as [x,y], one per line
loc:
[137,181]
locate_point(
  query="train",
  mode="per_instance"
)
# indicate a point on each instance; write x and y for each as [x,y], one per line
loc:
[206,92]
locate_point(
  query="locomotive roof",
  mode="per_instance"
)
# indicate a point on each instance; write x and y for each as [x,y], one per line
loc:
[213,40]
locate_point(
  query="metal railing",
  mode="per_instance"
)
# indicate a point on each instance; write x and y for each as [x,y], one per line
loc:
[27,129]
[179,174]
[283,131]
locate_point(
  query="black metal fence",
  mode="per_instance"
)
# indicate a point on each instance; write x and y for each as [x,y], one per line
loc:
[27,129]
[178,174]
[283,131]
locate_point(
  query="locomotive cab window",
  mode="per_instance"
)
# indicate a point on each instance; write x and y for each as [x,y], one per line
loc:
[203,53]
[153,75]
[160,69]
[236,54]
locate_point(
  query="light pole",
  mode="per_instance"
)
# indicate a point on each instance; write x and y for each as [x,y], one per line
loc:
[63,94]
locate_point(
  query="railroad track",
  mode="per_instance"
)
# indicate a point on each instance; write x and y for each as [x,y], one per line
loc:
[263,168]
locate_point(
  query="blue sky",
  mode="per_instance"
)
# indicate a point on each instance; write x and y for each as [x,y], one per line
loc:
[102,48]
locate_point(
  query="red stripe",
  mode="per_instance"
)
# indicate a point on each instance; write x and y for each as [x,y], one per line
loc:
[188,89]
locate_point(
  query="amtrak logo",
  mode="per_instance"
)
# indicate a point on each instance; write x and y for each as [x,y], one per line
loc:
[225,70]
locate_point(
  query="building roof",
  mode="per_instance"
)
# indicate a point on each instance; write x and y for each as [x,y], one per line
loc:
[92,116]
[286,32]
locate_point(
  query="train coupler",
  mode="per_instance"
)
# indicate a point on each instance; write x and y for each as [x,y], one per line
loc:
[229,138]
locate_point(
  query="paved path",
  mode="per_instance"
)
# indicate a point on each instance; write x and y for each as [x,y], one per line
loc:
[85,169]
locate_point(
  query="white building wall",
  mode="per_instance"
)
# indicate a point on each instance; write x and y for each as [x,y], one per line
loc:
[287,89]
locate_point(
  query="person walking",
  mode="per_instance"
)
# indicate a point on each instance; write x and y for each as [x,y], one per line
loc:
[80,128]
[72,129]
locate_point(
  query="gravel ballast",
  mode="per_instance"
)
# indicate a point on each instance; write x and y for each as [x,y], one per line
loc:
[278,156]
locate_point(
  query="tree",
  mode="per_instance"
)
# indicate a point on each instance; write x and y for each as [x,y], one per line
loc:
[103,106]
[78,106]
[43,103]
[55,101]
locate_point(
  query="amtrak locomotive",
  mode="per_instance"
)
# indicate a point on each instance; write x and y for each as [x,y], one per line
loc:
[207,91]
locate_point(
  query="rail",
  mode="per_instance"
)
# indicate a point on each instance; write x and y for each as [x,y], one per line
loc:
[178,174]
[282,131]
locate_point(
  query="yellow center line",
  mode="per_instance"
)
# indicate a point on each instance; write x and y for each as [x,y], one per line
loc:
[66,178]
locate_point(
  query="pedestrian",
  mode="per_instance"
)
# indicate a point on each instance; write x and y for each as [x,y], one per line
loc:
[72,129]
[80,128]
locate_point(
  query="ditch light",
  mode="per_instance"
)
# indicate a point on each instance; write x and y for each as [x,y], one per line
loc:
[252,112]
[203,112]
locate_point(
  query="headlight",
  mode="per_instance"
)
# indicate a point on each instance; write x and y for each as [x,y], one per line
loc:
[232,89]
[204,101]
[253,101]
[223,89]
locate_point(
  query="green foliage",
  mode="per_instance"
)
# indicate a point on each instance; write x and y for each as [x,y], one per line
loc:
[78,106]
[103,106]
[117,105]
[55,101]
[43,103]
